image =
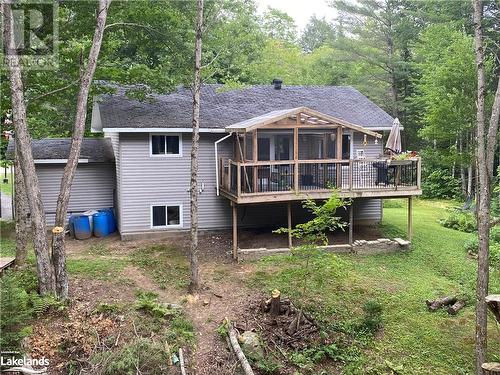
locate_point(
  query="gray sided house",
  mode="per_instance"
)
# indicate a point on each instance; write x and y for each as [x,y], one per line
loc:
[263,150]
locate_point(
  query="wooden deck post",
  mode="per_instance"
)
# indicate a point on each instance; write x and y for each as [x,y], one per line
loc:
[296,155]
[235,231]
[255,159]
[410,218]
[351,223]
[289,214]
[339,157]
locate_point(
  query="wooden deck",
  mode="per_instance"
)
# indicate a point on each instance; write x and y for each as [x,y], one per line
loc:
[284,181]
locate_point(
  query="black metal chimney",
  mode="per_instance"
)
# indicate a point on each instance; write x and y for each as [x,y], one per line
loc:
[277,83]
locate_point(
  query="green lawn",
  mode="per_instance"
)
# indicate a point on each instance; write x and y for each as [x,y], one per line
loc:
[412,339]
[6,188]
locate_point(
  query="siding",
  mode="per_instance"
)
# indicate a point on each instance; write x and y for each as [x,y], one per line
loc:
[150,180]
[368,210]
[115,142]
[92,187]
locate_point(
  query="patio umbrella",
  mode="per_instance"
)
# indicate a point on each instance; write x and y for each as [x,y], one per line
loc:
[394,139]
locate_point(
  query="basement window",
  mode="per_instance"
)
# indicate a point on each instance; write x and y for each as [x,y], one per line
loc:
[166,216]
[165,145]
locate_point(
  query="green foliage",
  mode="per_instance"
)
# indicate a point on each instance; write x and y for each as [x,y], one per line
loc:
[142,355]
[19,304]
[266,365]
[460,220]
[315,230]
[96,268]
[108,308]
[472,247]
[437,265]
[372,319]
[440,184]
[148,302]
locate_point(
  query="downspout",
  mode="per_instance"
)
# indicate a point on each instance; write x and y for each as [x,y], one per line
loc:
[217,161]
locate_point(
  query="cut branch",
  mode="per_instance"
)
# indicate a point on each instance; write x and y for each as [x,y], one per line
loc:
[233,339]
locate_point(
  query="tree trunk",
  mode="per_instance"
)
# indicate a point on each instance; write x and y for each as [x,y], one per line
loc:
[58,253]
[22,212]
[195,277]
[470,178]
[486,144]
[45,271]
[462,169]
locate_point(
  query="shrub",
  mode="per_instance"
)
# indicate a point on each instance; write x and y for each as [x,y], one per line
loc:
[372,320]
[459,220]
[148,302]
[16,293]
[142,356]
[471,246]
[439,184]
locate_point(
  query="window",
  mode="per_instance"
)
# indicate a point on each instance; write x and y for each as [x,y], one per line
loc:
[166,216]
[166,145]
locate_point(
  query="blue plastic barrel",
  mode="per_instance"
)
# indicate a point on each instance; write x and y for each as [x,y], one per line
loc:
[101,228]
[111,219]
[81,227]
[71,225]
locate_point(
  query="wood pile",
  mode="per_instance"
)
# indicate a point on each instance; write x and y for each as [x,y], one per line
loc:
[285,324]
[453,304]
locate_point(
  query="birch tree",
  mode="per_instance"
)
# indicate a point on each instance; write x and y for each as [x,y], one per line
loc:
[58,248]
[45,269]
[51,268]
[195,277]
[486,145]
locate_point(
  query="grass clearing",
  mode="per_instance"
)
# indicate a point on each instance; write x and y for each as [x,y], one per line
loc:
[413,340]
[6,187]
[96,268]
[168,266]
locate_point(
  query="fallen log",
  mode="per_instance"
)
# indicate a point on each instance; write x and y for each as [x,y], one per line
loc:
[491,368]
[181,362]
[445,301]
[453,309]
[233,339]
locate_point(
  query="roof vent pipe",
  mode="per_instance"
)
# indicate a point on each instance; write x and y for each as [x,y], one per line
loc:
[277,83]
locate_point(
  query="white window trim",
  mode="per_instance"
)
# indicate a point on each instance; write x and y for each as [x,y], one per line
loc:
[165,155]
[167,226]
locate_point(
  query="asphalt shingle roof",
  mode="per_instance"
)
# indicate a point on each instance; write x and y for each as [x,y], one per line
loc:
[221,108]
[96,150]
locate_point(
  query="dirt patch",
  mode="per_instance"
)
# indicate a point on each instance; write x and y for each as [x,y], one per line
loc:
[224,295]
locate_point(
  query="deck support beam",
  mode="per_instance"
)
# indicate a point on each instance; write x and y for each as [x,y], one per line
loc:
[289,214]
[410,218]
[351,223]
[235,230]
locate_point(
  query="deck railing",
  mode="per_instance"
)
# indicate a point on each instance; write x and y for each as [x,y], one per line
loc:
[253,178]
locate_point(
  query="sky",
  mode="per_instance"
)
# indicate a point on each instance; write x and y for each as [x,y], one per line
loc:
[300,10]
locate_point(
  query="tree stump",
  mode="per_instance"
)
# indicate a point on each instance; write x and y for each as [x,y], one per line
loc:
[491,368]
[275,302]
[493,302]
